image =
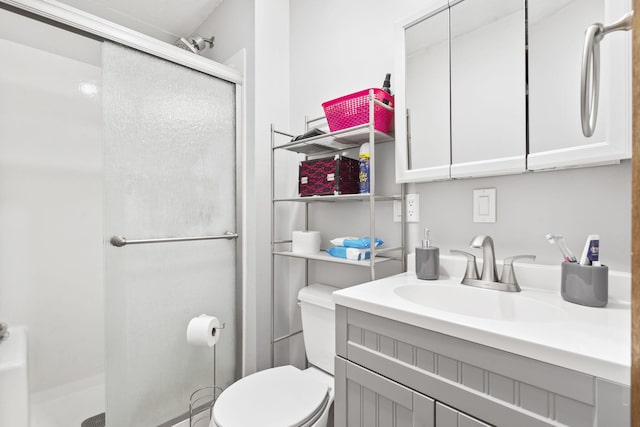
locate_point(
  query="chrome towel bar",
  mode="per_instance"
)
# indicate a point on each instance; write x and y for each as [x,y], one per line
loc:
[119,241]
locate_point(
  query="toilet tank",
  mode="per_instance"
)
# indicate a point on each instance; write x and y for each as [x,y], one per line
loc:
[319,325]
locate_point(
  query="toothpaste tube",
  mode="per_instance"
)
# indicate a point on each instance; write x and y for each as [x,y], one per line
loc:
[591,252]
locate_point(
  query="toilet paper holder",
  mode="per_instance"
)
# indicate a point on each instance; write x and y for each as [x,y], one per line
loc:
[202,400]
[209,395]
[204,330]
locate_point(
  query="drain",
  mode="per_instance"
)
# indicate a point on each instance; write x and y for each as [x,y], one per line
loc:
[95,421]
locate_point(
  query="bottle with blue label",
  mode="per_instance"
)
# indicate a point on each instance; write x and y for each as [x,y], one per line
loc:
[364,159]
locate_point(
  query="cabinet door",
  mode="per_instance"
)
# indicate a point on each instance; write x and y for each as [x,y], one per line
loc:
[449,417]
[488,87]
[556,40]
[364,398]
[423,136]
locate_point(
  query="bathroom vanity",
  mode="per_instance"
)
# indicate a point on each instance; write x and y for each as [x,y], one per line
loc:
[438,353]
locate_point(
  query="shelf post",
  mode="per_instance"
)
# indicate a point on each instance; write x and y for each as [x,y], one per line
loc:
[372,185]
[403,225]
[273,239]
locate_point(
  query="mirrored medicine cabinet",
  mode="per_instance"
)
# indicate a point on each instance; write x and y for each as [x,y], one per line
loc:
[492,87]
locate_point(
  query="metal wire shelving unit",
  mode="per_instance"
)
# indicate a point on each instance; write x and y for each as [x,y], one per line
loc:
[326,145]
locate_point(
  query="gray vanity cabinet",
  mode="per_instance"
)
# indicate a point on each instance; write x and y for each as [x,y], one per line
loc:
[449,417]
[403,375]
[369,399]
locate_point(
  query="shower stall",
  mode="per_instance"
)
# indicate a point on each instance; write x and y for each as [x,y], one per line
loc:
[105,132]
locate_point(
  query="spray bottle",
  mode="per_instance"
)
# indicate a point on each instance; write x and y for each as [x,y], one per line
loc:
[364,159]
[386,86]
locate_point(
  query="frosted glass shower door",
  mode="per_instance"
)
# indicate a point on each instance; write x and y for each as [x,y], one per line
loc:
[169,142]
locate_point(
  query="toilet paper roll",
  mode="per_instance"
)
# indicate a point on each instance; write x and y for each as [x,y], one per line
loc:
[203,331]
[307,242]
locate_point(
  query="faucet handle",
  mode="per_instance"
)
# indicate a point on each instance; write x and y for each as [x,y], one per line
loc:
[508,274]
[472,270]
[4,331]
[511,259]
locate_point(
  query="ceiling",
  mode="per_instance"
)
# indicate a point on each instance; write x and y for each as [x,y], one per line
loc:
[166,20]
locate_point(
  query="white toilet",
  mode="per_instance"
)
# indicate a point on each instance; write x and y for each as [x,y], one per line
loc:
[287,396]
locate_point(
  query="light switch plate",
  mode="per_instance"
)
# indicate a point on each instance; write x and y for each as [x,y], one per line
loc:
[397,211]
[484,205]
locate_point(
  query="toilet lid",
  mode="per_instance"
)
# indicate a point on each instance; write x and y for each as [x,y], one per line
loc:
[278,397]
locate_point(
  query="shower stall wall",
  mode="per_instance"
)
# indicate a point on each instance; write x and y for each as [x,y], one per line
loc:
[51,213]
[98,139]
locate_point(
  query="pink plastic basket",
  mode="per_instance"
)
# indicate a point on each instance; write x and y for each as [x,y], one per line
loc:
[353,110]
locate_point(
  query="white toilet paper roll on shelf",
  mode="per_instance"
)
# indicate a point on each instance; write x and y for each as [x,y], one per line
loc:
[307,242]
[204,330]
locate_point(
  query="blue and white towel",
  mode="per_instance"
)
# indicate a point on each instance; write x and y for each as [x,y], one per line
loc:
[355,242]
[354,254]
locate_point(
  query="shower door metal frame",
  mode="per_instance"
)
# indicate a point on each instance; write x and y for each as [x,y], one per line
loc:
[77,21]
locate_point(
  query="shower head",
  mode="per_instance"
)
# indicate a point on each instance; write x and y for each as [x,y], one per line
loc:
[195,43]
[183,43]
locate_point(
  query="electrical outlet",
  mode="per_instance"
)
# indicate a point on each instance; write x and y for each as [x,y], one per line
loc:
[413,207]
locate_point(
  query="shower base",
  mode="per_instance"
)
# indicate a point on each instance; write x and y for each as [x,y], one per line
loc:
[95,421]
[68,405]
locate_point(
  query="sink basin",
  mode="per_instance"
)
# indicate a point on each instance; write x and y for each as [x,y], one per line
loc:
[526,306]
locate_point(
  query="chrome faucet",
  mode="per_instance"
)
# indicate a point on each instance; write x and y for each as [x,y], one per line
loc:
[489,271]
[489,277]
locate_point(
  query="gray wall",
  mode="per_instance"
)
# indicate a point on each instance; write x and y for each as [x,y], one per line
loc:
[574,203]
[262,29]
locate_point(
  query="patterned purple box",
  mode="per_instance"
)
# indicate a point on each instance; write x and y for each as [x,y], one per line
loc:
[328,176]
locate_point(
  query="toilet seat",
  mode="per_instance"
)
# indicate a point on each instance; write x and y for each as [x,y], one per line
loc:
[278,397]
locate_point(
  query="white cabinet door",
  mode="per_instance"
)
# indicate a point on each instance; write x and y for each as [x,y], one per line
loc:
[423,134]
[556,40]
[488,88]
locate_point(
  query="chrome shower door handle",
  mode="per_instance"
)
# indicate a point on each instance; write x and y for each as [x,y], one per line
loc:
[120,241]
[590,72]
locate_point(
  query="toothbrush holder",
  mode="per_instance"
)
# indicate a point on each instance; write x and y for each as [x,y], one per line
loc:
[585,284]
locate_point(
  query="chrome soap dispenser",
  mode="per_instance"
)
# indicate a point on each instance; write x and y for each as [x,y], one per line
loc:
[427,259]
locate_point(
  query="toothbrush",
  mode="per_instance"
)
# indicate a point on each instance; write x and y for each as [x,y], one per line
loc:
[565,250]
[559,239]
[552,240]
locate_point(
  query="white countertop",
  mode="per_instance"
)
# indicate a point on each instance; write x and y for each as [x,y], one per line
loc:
[596,341]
